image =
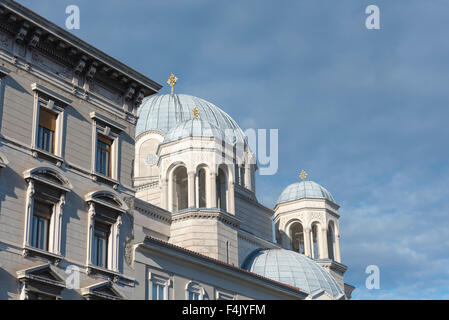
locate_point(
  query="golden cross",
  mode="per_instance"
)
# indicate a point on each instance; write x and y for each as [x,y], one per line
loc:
[196,112]
[303,175]
[172,81]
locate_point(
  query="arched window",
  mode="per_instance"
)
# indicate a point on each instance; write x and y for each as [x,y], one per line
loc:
[194,291]
[297,237]
[180,190]
[222,190]
[202,188]
[331,240]
[315,247]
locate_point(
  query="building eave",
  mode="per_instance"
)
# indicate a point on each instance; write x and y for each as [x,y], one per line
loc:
[93,53]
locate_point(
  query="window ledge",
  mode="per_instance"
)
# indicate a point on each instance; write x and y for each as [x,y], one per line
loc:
[102,178]
[32,251]
[114,275]
[39,153]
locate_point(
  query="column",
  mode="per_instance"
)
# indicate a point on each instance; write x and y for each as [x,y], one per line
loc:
[90,232]
[337,253]
[231,201]
[164,194]
[29,212]
[213,190]
[324,252]
[307,243]
[55,244]
[115,263]
[248,178]
[191,189]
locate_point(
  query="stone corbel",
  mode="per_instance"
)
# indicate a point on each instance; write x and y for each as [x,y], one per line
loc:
[23,31]
[139,98]
[130,91]
[80,65]
[35,38]
[92,70]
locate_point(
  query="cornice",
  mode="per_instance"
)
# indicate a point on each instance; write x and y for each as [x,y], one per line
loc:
[73,43]
[199,213]
[153,211]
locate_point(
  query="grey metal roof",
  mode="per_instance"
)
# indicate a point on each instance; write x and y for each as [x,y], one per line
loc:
[304,189]
[194,128]
[294,269]
[163,112]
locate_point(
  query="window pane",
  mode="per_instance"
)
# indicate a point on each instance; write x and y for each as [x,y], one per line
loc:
[103,155]
[100,244]
[161,292]
[34,232]
[46,130]
[154,293]
[40,224]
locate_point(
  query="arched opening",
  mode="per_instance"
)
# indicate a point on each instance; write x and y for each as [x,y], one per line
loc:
[315,245]
[222,190]
[331,240]
[297,237]
[202,188]
[180,189]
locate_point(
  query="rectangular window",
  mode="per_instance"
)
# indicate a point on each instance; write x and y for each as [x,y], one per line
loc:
[103,156]
[158,291]
[40,224]
[46,130]
[100,244]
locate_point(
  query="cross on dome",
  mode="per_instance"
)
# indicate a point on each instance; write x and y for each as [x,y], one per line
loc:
[195,112]
[172,79]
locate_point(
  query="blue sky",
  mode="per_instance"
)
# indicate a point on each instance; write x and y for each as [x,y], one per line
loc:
[364,112]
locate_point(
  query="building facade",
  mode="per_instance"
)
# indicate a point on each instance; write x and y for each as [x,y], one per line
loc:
[109,190]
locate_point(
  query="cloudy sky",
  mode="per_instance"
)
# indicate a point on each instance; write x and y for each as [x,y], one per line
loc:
[364,112]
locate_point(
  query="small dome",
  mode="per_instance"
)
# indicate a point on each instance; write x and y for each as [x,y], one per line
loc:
[294,269]
[304,189]
[194,128]
[163,112]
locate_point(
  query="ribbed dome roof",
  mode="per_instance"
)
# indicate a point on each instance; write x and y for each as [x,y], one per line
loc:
[194,128]
[294,269]
[304,189]
[163,112]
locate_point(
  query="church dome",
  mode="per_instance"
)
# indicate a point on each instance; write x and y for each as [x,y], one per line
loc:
[294,269]
[164,112]
[194,128]
[304,189]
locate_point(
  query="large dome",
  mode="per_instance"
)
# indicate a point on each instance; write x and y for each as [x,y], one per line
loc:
[194,128]
[294,269]
[304,189]
[163,112]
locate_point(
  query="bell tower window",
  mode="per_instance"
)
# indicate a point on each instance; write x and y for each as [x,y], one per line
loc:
[297,237]
[180,192]
[202,188]
[222,190]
